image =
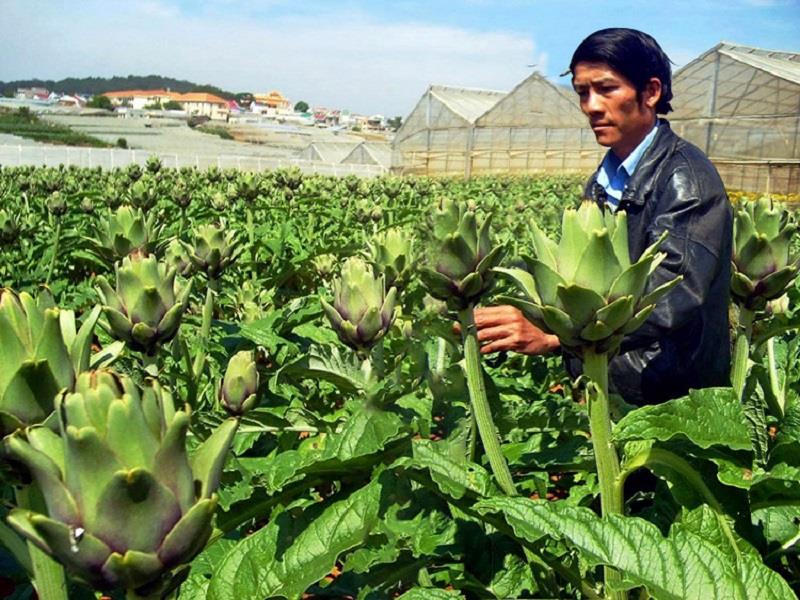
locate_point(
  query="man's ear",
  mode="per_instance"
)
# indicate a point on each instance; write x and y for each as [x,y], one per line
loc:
[652,92]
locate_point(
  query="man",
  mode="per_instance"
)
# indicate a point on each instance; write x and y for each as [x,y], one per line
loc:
[622,78]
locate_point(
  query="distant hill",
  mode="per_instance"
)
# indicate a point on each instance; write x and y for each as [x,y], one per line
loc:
[100,85]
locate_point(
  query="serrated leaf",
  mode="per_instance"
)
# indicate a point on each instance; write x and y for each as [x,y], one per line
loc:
[681,566]
[196,585]
[707,417]
[270,564]
[423,593]
[330,364]
[451,476]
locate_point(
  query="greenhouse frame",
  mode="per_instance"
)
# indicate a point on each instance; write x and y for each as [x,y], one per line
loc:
[537,126]
[741,105]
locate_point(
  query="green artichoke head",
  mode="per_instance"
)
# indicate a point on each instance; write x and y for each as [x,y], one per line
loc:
[325,264]
[57,204]
[124,231]
[391,254]
[362,310]
[125,503]
[35,362]
[584,289]
[461,271]
[10,227]
[177,257]
[238,393]
[147,305]
[763,266]
[213,250]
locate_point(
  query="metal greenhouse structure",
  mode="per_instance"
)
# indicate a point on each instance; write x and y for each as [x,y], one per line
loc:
[741,105]
[534,127]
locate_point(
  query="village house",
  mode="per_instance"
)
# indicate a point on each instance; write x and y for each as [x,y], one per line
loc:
[193,103]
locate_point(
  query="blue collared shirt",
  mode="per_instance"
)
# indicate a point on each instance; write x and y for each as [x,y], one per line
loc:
[614,174]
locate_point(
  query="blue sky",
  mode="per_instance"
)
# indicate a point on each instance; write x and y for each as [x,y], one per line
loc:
[370,57]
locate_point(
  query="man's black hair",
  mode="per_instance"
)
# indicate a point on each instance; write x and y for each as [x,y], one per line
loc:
[631,53]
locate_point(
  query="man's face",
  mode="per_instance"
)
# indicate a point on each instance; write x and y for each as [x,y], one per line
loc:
[608,99]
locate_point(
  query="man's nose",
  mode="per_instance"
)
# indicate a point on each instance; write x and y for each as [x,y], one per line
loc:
[593,104]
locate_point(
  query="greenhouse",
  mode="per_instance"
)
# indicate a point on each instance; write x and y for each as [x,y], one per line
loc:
[741,106]
[534,127]
[370,153]
[329,152]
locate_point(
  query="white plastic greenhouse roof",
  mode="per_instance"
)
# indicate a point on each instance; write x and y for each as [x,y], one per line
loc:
[780,67]
[785,65]
[469,103]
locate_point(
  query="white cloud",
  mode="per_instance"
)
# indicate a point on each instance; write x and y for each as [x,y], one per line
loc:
[346,60]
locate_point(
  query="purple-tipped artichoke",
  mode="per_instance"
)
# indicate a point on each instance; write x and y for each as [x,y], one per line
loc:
[763,267]
[125,502]
[461,271]
[362,310]
[147,306]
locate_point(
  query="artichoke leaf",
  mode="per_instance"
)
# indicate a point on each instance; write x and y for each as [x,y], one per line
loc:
[209,459]
[580,303]
[523,280]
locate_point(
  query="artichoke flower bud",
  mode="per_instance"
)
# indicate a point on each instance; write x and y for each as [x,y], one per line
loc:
[125,231]
[177,257]
[10,227]
[213,250]
[144,193]
[240,384]
[125,503]
[763,267]
[391,255]
[585,289]
[325,264]
[362,310]
[464,257]
[35,361]
[57,204]
[146,308]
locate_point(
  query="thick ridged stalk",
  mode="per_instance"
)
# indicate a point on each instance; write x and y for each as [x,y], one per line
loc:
[741,351]
[595,367]
[205,330]
[480,403]
[48,575]
[56,242]
[251,239]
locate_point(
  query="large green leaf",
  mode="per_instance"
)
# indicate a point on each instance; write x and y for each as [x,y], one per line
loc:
[422,593]
[707,417]
[196,585]
[453,477]
[278,561]
[681,566]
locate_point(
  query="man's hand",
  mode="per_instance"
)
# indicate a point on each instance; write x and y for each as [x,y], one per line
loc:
[506,328]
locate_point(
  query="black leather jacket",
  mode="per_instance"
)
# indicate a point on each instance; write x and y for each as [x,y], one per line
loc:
[685,343]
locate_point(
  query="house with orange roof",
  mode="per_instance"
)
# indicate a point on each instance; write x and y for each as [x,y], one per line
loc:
[271,103]
[194,103]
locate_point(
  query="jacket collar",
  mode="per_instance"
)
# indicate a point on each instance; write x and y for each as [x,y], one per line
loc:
[641,183]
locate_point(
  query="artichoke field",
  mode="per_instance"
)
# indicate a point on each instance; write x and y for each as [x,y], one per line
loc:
[272,385]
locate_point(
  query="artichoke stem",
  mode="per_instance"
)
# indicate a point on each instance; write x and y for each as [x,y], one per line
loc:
[205,333]
[56,241]
[595,367]
[480,403]
[741,351]
[251,238]
[778,391]
[48,575]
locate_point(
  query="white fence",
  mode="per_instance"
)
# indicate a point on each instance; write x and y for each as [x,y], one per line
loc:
[110,158]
